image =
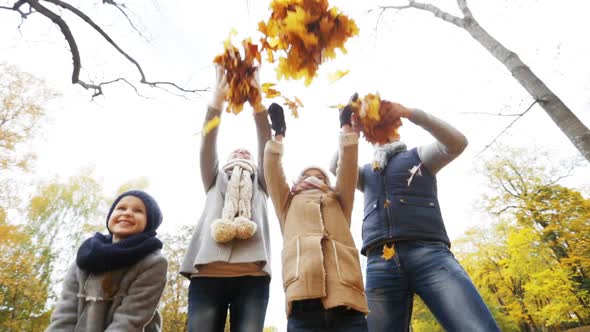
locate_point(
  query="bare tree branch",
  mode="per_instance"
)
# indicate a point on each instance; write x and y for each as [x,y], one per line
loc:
[493,114]
[458,21]
[508,127]
[77,65]
[121,7]
[464,8]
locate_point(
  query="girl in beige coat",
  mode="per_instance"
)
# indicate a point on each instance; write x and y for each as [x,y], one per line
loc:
[321,271]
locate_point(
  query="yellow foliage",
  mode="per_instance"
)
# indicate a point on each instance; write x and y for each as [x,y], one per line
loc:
[304,33]
[240,74]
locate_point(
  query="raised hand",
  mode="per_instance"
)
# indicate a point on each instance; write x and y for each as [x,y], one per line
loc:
[221,88]
[277,119]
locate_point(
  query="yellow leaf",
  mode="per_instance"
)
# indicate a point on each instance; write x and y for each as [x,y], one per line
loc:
[211,124]
[388,252]
[335,76]
[269,92]
[337,106]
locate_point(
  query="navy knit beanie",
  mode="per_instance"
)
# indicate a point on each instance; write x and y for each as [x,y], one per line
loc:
[154,215]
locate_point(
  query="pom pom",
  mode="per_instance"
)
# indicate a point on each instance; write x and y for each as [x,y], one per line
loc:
[245,228]
[223,230]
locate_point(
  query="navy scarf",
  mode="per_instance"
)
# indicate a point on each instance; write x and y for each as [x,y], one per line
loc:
[99,253]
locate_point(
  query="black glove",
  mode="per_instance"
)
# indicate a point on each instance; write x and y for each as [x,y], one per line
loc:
[346,112]
[345,115]
[277,119]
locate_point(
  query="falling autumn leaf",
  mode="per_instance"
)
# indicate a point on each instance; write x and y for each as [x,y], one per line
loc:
[211,124]
[387,203]
[335,76]
[293,105]
[388,252]
[269,91]
[337,106]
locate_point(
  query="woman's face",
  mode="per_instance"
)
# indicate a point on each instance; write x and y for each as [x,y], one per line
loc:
[314,172]
[241,154]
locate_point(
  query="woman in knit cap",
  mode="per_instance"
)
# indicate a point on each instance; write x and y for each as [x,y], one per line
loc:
[404,236]
[321,271]
[117,279]
[228,258]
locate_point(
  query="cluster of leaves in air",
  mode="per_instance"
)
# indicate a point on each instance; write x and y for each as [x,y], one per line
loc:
[304,33]
[240,74]
[301,34]
[376,118]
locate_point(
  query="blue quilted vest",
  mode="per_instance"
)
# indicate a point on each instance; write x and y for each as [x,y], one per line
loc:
[397,211]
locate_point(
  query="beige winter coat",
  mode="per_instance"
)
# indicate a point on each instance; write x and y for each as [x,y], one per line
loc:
[319,257]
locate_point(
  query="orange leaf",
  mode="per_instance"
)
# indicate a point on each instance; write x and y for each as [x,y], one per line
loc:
[388,252]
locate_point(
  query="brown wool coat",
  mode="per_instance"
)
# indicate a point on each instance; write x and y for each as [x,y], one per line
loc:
[319,257]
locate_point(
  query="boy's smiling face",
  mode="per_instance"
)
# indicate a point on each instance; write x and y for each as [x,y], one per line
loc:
[129,217]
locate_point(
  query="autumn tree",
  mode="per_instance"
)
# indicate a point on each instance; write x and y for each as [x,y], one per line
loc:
[22,291]
[60,215]
[530,265]
[174,304]
[562,116]
[22,101]
[53,11]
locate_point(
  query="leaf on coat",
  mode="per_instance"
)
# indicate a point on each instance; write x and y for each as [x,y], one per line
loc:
[211,124]
[388,252]
[337,75]
[387,203]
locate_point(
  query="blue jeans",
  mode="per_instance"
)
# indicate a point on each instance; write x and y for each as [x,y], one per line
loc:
[210,298]
[310,316]
[430,270]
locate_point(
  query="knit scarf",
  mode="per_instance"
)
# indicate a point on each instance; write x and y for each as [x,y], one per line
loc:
[307,183]
[237,208]
[382,153]
[99,254]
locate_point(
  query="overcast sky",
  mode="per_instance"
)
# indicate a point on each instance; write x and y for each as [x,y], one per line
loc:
[410,57]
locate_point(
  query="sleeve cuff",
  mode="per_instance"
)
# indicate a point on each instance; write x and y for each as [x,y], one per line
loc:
[274,147]
[347,139]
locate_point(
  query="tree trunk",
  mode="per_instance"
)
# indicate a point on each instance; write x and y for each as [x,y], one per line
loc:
[563,117]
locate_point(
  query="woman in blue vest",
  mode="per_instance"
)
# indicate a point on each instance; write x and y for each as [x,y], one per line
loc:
[404,236]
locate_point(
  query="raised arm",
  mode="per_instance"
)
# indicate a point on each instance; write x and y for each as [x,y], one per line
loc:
[262,131]
[143,297]
[209,159]
[347,170]
[347,123]
[276,182]
[449,144]
[360,183]
[65,315]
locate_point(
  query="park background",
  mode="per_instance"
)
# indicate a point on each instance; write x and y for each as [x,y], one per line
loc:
[530,262]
